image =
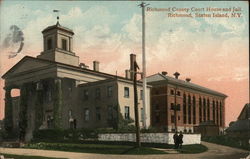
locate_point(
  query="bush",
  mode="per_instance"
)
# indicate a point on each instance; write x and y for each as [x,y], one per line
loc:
[4,135]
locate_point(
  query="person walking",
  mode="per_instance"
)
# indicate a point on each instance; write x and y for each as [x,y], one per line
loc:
[180,140]
[175,137]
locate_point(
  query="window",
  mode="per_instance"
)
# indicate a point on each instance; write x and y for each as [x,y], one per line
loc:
[172,118]
[110,112]
[142,114]
[97,93]
[157,118]
[49,95]
[178,107]
[157,107]
[127,115]
[64,44]
[200,110]
[172,106]
[172,92]
[110,91]
[184,109]
[98,113]
[86,114]
[189,109]
[194,110]
[221,122]
[126,92]
[157,92]
[178,93]
[49,44]
[86,94]
[141,94]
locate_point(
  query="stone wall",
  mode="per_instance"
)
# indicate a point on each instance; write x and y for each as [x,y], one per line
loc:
[167,138]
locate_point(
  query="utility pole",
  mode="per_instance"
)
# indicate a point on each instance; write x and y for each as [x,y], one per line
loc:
[143,5]
[138,140]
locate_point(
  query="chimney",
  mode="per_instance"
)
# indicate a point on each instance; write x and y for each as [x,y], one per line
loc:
[132,63]
[164,73]
[96,66]
[176,74]
[127,74]
[188,79]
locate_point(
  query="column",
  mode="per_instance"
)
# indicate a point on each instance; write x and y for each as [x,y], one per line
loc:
[39,95]
[23,121]
[8,119]
[57,112]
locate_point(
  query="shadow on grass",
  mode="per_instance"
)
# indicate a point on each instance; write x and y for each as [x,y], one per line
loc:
[191,149]
[142,151]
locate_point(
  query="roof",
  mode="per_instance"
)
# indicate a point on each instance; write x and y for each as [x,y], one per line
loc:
[111,80]
[159,78]
[76,68]
[240,125]
[58,26]
[245,113]
[243,122]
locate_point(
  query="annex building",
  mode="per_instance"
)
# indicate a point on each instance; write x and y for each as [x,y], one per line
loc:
[56,91]
[183,105]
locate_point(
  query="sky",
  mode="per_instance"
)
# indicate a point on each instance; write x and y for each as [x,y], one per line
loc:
[212,51]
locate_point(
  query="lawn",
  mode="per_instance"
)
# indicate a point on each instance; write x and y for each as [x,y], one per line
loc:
[196,148]
[27,157]
[94,148]
[114,148]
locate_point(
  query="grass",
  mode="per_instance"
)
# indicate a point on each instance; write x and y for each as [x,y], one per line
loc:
[228,141]
[190,149]
[94,148]
[114,148]
[27,157]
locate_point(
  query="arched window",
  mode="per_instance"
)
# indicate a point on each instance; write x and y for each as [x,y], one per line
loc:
[221,114]
[184,109]
[213,111]
[189,109]
[194,110]
[217,113]
[204,109]
[208,109]
[200,110]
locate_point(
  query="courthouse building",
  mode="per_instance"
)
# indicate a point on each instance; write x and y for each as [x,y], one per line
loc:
[193,104]
[56,91]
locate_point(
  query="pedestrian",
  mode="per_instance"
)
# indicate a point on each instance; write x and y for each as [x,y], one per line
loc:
[180,140]
[175,137]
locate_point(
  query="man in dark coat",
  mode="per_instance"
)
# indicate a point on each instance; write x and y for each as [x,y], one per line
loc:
[180,140]
[175,137]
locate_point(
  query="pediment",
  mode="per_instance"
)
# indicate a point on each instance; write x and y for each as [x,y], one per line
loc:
[25,65]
